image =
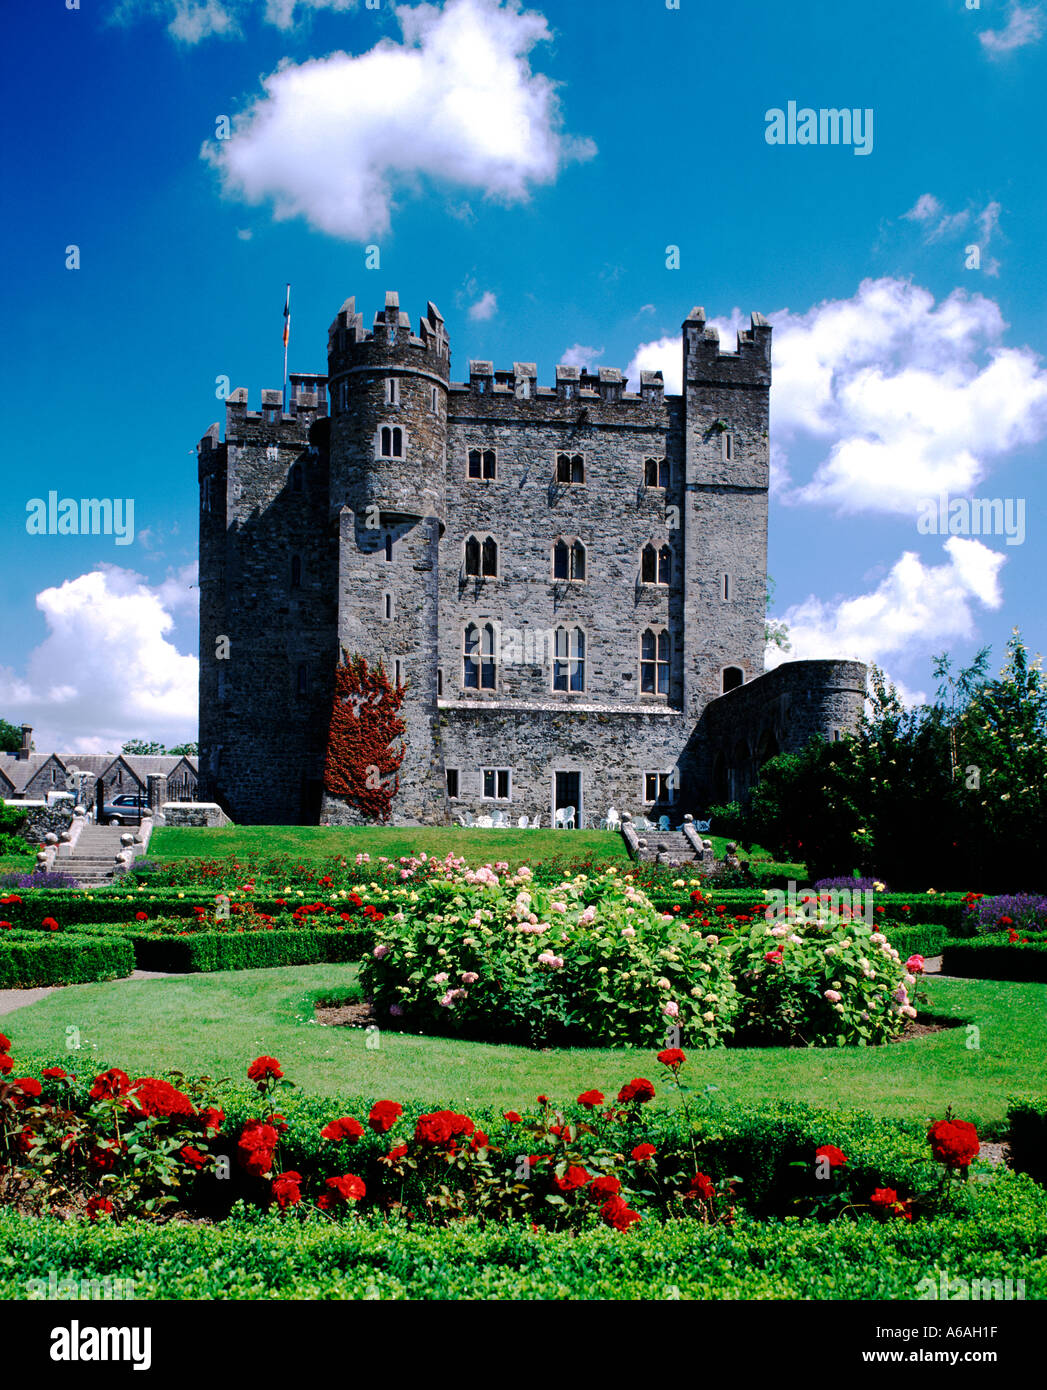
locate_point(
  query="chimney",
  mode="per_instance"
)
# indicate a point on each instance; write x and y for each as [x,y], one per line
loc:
[27,742]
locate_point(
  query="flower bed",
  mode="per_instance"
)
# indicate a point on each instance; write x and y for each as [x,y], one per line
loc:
[33,959]
[108,1146]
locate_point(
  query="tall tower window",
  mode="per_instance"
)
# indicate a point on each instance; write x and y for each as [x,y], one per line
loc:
[392,442]
[654,662]
[387,606]
[655,564]
[569,659]
[398,672]
[389,550]
[480,664]
[439,680]
[728,446]
[296,571]
[656,473]
[726,591]
[569,560]
[392,390]
[570,469]
[482,463]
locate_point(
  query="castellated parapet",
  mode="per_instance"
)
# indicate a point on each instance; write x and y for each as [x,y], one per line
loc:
[570,579]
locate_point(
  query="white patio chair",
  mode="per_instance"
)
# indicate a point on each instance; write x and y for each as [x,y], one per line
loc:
[663,822]
[498,820]
[522,823]
[466,818]
[483,822]
[536,822]
[565,816]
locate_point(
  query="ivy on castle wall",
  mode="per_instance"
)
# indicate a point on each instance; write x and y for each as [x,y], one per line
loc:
[362,765]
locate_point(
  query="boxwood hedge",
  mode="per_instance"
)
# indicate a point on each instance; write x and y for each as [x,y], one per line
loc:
[996,958]
[34,959]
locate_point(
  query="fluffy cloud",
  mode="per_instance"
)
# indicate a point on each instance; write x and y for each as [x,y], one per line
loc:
[913,604]
[901,397]
[1024,26]
[334,139]
[938,224]
[485,307]
[107,671]
[579,355]
[190,21]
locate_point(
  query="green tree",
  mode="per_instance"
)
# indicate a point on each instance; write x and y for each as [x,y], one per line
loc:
[191,750]
[10,737]
[140,748]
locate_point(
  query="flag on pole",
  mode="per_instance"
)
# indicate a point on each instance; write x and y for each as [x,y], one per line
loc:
[287,317]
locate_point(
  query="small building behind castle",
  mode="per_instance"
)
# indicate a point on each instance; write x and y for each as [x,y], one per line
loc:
[569,579]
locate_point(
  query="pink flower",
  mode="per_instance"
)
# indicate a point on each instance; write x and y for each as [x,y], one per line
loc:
[380,951]
[915,965]
[439,979]
[833,996]
[469,977]
[671,1010]
[628,931]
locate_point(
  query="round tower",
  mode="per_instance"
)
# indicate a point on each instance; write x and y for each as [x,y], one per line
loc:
[388,462]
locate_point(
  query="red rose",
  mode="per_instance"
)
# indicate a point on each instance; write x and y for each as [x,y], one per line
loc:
[479,1141]
[832,1155]
[639,1089]
[512,1117]
[14,898]
[591,1099]
[702,1186]
[99,1206]
[884,1197]
[50,924]
[5,926]
[212,1119]
[394,1155]
[110,1084]
[384,1114]
[141,916]
[953,1142]
[574,1177]
[347,1187]
[54,1073]
[262,1068]
[672,1058]
[617,1214]
[605,1186]
[159,1098]
[256,1146]
[5,1043]
[191,1157]
[643,1152]
[286,1190]
[6,1064]
[543,1100]
[345,1128]
[442,1126]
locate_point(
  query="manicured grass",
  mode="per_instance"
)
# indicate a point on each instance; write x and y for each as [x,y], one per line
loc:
[317,842]
[218,1023]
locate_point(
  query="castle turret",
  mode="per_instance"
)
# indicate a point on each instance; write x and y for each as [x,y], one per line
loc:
[726,405]
[388,461]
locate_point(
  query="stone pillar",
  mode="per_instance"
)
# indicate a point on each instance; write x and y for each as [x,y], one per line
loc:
[157,795]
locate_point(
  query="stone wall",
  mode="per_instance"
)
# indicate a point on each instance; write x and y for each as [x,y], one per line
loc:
[193,813]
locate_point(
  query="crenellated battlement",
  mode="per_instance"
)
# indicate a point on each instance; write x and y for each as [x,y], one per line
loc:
[706,361]
[307,402]
[572,383]
[349,343]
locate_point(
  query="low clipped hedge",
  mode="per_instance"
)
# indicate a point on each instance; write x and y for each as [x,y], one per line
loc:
[30,960]
[996,958]
[248,950]
[921,939]
[252,1256]
[1027,1119]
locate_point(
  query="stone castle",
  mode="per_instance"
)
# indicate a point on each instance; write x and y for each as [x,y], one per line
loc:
[570,581]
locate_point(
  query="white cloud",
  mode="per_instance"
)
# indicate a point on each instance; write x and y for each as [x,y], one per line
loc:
[1024,26]
[941,225]
[579,355]
[902,398]
[244,233]
[334,140]
[914,608]
[107,671]
[188,21]
[485,307]
[282,13]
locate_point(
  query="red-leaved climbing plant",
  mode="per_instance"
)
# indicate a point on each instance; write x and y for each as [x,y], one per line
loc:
[362,764]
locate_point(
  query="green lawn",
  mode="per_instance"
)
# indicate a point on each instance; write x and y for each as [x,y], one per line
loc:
[217,1023]
[317,842]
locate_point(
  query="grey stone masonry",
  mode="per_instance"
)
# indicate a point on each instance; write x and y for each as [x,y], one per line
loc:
[569,579]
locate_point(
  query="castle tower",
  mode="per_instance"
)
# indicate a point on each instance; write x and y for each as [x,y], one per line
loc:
[388,462]
[727,451]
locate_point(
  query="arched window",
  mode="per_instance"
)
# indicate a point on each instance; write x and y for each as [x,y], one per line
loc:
[387,442]
[472,556]
[489,558]
[570,469]
[656,473]
[733,677]
[479,657]
[391,442]
[655,564]
[481,557]
[296,571]
[569,560]
[569,659]
[665,565]
[654,662]
[297,478]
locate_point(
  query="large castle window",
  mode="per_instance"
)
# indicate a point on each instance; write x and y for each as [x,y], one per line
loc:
[657,786]
[570,469]
[481,557]
[654,663]
[568,560]
[656,473]
[480,666]
[733,677]
[392,442]
[482,463]
[655,565]
[451,773]
[569,659]
[497,782]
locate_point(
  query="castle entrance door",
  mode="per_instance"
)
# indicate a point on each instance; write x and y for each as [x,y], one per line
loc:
[567,791]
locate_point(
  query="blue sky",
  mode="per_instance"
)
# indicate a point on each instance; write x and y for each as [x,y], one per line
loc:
[526,169]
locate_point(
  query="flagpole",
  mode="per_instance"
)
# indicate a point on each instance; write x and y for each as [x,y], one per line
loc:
[287,335]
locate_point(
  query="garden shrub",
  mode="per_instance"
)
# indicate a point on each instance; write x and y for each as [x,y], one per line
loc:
[31,960]
[1027,1133]
[922,939]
